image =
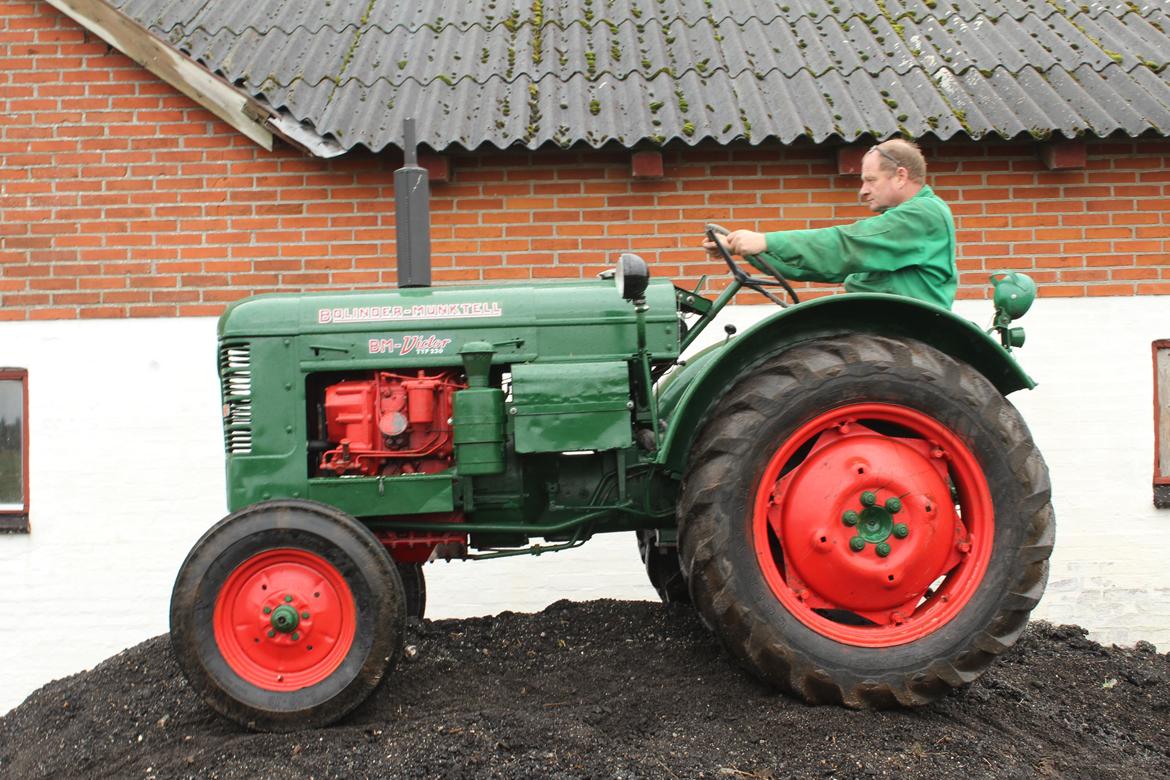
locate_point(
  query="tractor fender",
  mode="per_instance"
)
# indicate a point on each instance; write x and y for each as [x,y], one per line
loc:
[688,395]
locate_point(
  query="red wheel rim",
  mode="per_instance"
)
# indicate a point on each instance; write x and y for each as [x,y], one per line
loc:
[285,619]
[859,578]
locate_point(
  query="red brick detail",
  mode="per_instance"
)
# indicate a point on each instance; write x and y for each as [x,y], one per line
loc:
[646,165]
[849,159]
[1064,155]
[438,166]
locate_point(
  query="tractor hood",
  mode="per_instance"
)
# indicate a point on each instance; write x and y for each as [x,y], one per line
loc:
[553,320]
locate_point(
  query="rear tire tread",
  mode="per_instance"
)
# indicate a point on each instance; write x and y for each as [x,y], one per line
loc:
[705,522]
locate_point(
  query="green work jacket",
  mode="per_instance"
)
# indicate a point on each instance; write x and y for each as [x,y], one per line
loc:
[906,250]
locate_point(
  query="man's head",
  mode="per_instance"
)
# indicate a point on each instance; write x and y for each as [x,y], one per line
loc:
[892,173]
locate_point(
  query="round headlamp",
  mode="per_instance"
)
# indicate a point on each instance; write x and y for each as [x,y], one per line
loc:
[632,275]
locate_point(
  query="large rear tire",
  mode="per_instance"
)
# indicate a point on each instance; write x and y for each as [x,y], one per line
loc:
[865,521]
[286,615]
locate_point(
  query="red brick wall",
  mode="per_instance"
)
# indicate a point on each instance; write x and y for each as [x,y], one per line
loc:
[120,197]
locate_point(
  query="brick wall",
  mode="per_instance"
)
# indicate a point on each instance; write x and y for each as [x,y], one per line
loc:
[120,197]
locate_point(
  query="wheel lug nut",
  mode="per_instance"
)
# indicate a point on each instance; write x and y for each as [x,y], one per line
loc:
[850,518]
[268,610]
[287,598]
[271,634]
[868,498]
[901,530]
[893,505]
[883,549]
[305,615]
[296,636]
[857,544]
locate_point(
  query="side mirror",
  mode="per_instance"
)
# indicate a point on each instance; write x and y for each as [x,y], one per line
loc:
[632,276]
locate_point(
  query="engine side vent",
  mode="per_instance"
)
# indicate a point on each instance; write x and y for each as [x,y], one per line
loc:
[235,374]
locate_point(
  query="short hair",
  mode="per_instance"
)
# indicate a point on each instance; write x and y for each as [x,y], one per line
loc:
[906,154]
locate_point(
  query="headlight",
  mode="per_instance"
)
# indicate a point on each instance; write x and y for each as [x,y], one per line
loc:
[632,275]
[1014,293]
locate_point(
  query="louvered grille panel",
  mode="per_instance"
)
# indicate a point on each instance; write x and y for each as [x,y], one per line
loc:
[235,372]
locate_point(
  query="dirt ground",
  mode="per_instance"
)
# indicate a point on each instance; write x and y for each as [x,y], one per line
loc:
[611,690]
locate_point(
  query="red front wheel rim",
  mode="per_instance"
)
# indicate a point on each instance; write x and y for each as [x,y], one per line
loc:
[873,524]
[284,619]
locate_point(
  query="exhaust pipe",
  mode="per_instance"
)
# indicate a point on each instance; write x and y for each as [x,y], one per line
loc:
[412,214]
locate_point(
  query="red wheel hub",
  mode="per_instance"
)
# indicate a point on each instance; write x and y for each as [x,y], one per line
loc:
[875,547]
[285,619]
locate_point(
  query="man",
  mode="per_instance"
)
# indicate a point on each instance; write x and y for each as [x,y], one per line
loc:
[908,249]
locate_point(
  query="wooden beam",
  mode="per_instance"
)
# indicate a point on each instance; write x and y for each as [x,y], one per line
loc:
[205,88]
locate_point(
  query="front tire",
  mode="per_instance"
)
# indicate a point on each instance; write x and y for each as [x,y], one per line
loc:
[663,568]
[866,521]
[286,615]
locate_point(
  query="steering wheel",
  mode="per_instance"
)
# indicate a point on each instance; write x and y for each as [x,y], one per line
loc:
[753,282]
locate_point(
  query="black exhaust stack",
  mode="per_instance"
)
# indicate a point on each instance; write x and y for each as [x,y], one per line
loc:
[412,213]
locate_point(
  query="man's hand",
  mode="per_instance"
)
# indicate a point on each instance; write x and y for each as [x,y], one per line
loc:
[738,242]
[746,242]
[712,248]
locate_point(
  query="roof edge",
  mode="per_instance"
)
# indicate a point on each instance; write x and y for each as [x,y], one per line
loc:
[213,93]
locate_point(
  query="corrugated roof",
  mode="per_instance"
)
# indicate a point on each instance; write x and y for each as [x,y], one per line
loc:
[532,72]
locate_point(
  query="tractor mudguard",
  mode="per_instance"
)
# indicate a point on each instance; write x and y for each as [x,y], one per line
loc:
[687,397]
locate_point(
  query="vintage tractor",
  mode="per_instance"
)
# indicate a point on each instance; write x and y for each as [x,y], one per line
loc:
[842,490]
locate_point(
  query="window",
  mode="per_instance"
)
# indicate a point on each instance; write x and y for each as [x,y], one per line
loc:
[13,450]
[1162,423]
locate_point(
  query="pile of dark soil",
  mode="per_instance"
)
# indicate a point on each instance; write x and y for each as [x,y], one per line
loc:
[611,690]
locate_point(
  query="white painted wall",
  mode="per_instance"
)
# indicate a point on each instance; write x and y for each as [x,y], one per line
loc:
[126,473]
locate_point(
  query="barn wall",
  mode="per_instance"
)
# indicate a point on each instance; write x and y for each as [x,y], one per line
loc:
[119,197]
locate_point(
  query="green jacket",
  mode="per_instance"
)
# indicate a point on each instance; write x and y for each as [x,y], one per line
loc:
[907,250]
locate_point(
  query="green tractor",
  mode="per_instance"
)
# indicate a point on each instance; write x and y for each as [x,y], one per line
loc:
[842,490]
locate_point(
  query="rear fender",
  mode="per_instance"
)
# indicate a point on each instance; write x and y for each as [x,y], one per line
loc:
[687,397]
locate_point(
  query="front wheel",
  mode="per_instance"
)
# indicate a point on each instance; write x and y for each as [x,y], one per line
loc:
[663,568]
[866,521]
[286,615]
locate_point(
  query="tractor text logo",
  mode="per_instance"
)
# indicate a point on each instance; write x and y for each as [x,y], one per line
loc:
[419,345]
[425,311]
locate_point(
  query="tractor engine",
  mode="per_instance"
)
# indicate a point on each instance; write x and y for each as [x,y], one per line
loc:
[390,424]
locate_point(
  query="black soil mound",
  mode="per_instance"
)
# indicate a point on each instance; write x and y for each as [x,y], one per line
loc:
[611,690]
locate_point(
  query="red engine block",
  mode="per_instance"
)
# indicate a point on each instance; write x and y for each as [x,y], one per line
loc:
[390,424]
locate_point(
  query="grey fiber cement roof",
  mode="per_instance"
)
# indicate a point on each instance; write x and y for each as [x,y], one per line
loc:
[532,72]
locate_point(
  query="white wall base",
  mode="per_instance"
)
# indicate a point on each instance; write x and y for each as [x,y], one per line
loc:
[127,472]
